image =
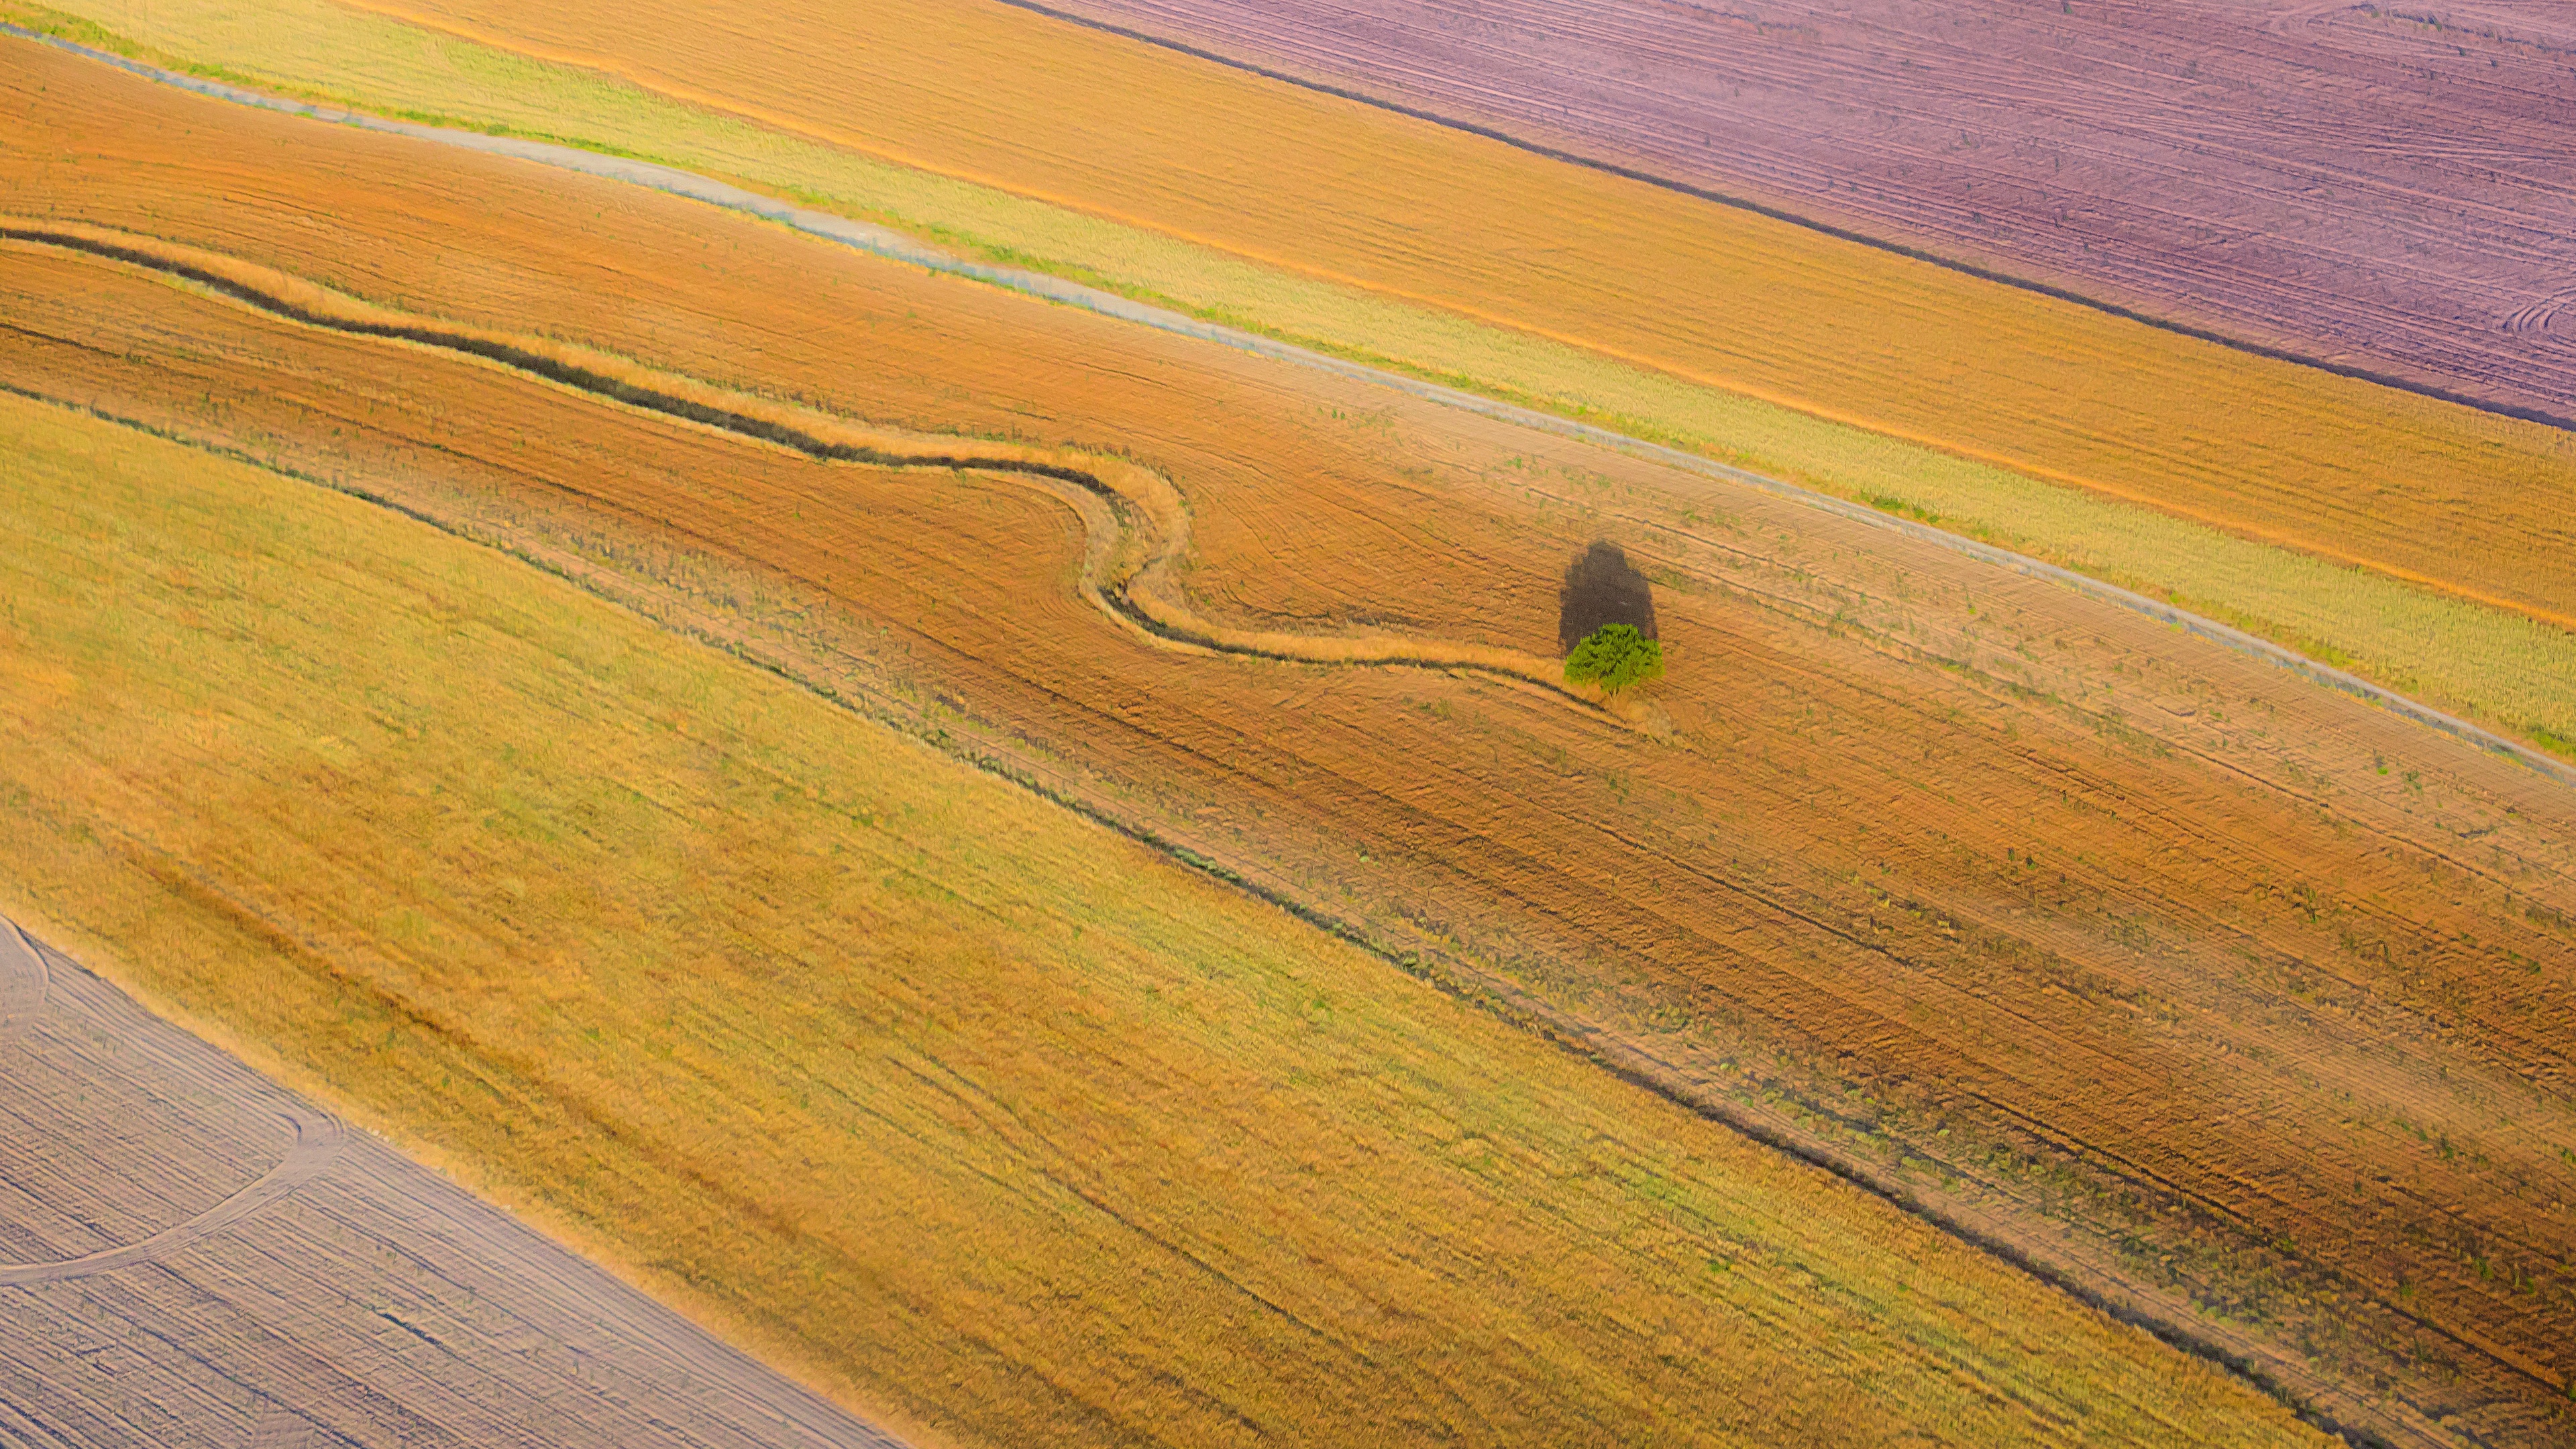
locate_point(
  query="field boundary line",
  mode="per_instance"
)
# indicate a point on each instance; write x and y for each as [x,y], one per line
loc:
[895,246]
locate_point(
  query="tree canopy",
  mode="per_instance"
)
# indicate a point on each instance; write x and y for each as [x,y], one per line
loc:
[1614,656]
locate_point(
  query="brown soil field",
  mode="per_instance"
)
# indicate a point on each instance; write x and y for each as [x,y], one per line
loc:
[2439,494]
[379,1304]
[2228,999]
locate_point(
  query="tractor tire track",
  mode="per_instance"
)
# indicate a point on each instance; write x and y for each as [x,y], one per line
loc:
[1126,573]
[24,988]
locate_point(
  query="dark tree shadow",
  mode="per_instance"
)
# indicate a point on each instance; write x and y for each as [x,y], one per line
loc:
[1601,588]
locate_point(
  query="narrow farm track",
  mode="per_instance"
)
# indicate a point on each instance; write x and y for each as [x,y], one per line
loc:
[316,1143]
[313,1145]
[1132,550]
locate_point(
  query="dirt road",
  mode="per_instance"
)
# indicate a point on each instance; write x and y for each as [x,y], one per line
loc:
[200,1258]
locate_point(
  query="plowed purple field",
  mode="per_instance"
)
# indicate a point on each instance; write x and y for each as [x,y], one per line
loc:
[2387,190]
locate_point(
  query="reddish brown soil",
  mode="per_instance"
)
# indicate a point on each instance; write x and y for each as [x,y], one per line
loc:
[2381,188]
[2235,999]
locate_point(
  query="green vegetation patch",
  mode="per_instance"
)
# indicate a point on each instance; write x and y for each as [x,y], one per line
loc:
[1616,657]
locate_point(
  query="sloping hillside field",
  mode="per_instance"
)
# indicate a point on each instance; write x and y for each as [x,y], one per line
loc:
[1006,1127]
[2175,984]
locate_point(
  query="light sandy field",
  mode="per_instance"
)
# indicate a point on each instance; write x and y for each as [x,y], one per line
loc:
[997,1120]
[2227,998]
[373,1303]
[2341,473]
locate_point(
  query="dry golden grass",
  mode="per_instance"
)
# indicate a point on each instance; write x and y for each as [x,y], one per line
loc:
[2503,670]
[1002,1125]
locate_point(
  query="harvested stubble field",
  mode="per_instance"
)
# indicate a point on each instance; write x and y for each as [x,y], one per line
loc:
[2385,189]
[2225,997]
[2163,463]
[994,1121]
[377,1304]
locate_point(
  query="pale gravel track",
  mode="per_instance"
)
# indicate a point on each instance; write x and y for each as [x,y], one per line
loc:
[347,1296]
[314,1140]
[895,246]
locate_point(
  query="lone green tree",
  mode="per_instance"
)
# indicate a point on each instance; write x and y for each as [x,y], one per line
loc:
[1616,657]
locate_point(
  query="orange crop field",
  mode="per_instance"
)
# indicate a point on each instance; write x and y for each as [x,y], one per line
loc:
[1007,1129]
[2219,997]
[2478,506]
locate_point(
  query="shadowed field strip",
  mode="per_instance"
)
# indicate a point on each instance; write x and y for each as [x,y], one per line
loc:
[1132,549]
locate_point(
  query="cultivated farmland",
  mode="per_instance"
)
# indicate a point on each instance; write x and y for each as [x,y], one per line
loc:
[2223,996]
[993,1120]
[2261,169]
[2481,506]
[2441,646]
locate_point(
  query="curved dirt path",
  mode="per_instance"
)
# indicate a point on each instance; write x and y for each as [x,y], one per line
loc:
[895,246]
[24,982]
[317,1146]
[1136,523]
